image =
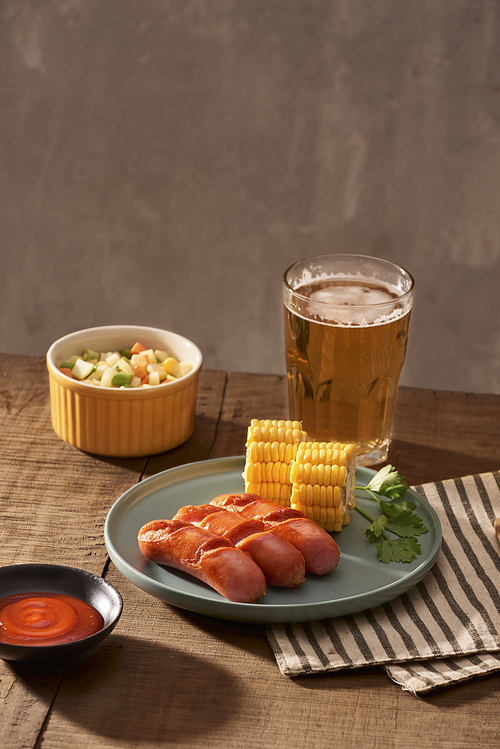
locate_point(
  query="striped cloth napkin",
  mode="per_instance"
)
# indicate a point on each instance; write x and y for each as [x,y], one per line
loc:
[443,631]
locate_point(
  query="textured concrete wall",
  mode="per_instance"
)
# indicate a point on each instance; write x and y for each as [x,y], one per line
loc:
[162,162]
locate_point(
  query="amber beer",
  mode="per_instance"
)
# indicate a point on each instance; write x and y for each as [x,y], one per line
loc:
[346,330]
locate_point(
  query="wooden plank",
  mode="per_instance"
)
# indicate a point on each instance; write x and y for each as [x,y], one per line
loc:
[62,494]
[53,502]
[167,677]
[248,396]
[53,497]
[444,434]
[437,434]
[26,693]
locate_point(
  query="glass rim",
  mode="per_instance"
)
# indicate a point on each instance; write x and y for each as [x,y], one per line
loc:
[318,258]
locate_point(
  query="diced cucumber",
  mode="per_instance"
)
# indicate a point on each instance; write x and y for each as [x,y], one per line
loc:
[82,369]
[116,368]
[123,366]
[107,377]
[112,359]
[90,355]
[99,371]
[154,378]
[160,355]
[121,379]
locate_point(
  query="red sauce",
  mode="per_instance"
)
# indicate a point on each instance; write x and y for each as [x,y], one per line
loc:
[46,619]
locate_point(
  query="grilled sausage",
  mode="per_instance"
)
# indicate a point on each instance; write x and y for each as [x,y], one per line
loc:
[204,555]
[320,551]
[282,563]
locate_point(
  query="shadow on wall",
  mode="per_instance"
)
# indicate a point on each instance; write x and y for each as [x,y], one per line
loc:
[164,168]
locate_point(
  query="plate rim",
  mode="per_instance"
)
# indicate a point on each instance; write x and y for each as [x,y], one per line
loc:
[248,612]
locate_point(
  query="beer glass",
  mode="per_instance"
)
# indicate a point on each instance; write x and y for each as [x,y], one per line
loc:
[346,330]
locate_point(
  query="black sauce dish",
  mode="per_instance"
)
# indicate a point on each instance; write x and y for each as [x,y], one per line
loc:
[52,578]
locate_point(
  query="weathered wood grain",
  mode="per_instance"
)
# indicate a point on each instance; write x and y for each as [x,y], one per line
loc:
[53,497]
[53,503]
[437,434]
[444,434]
[247,397]
[54,500]
[167,677]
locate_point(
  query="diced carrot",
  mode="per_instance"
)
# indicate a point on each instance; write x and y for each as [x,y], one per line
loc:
[137,348]
[140,373]
[67,371]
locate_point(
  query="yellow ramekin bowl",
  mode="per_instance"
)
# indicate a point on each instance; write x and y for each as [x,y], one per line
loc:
[123,422]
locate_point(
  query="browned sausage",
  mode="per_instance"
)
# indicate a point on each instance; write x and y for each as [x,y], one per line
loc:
[282,563]
[320,551]
[204,555]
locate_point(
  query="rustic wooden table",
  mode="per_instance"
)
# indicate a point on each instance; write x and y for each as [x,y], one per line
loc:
[168,677]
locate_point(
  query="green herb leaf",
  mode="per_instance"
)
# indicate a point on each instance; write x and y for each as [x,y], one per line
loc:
[402,520]
[398,518]
[398,550]
[376,529]
[387,482]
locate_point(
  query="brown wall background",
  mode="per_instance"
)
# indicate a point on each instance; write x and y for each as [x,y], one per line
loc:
[162,162]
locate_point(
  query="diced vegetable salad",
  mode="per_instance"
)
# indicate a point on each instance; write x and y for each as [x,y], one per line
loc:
[132,368]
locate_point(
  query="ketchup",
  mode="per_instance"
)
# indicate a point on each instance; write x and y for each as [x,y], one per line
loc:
[46,619]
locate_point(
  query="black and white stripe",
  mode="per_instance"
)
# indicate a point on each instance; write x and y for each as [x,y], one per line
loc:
[444,630]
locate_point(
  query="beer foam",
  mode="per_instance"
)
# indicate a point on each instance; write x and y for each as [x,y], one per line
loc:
[347,300]
[355,296]
[351,316]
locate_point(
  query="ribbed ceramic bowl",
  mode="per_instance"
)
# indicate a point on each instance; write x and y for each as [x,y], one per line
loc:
[54,578]
[123,422]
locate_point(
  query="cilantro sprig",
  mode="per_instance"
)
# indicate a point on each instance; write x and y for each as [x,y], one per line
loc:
[397,518]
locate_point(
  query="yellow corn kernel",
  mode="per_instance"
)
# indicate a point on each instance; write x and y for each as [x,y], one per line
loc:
[322,477]
[274,430]
[171,367]
[323,516]
[275,491]
[316,478]
[271,448]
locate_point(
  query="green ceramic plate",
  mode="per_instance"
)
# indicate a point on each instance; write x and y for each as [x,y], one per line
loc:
[359,582]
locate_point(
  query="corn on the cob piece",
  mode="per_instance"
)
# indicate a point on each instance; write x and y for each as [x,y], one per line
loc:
[323,478]
[317,478]
[271,447]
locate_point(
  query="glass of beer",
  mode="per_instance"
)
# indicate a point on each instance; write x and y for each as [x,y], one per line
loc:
[346,329]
